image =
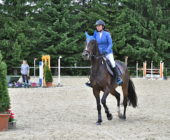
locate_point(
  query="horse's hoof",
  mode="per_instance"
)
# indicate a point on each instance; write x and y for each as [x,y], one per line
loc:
[99,122]
[109,117]
[122,117]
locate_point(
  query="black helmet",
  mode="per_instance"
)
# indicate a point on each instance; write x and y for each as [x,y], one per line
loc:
[100,22]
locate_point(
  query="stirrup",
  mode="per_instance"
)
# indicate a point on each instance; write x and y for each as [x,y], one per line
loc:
[119,81]
[88,84]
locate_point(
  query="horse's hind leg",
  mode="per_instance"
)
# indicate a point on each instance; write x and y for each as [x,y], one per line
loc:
[125,100]
[97,96]
[109,115]
[117,95]
[125,106]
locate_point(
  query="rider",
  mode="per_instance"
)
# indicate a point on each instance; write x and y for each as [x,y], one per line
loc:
[104,41]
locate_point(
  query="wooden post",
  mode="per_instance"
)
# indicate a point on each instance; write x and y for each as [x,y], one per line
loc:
[144,69]
[126,60]
[161,69]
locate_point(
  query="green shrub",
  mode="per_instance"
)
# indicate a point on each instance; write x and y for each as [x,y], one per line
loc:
[48,74]
[4,96]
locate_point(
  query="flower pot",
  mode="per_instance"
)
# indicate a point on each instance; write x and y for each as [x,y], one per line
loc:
[4,118]
[49,84]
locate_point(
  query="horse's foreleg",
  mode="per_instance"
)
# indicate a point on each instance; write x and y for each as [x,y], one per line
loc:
[97,96]
[109,115]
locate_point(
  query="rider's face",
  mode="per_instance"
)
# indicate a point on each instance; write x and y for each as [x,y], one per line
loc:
[99,28]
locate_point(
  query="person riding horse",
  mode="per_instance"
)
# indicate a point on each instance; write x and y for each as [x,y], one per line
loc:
[103,80]
[104,41]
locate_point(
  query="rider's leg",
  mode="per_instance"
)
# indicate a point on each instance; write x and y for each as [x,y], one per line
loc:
[117,73]
[88,83]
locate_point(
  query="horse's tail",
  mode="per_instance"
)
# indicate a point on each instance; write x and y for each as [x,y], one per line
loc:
[132,94]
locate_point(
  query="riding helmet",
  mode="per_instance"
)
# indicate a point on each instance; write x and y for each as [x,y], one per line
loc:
[100,22]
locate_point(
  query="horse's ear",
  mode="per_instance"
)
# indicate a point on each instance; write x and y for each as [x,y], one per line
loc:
[87,35]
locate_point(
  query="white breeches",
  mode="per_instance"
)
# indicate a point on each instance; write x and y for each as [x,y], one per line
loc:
[110,57]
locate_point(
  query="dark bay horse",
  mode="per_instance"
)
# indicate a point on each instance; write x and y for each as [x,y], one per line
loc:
[101,80]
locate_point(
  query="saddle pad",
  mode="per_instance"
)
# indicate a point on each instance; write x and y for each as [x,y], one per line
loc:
[109,67]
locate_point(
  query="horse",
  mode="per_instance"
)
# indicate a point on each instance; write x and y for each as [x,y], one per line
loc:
[102,80]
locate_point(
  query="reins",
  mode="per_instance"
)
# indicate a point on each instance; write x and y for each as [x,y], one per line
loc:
[93,55]
[97,56]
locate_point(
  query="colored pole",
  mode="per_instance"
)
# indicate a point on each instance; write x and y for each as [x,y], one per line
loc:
[59,80]
[144,69]
[41,73]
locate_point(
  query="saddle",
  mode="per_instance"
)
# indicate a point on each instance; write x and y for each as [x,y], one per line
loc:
[109,67]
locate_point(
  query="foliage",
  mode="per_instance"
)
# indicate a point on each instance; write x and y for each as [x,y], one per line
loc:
[28,29]
[4,97]
[47,74]
[11,118]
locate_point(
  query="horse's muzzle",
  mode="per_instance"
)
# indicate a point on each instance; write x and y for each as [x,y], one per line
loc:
[85,55]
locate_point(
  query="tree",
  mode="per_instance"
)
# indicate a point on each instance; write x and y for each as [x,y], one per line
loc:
[28,28]
[16,42]
[4,97]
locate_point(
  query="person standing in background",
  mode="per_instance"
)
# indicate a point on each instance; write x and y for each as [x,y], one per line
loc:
[25,72]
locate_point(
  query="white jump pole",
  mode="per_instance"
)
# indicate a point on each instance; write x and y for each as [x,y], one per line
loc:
[151,69]
[41,73]
[34,65]
[137,69]
[59,78]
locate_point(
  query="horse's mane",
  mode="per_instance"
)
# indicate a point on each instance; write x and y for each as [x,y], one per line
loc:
[95,49]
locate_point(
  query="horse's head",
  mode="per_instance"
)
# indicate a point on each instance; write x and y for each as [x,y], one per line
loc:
[90,49]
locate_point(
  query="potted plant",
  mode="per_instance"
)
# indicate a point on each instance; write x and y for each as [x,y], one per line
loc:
[48,76]
[12,122]
[4,97]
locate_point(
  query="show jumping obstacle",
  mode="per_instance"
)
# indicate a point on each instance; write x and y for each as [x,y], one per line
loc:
[45,61]
[152,73]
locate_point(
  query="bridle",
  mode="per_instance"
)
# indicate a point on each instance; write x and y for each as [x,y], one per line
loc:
[92,55]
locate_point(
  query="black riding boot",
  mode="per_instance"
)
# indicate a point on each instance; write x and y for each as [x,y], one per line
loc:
[88,84]
[117,73]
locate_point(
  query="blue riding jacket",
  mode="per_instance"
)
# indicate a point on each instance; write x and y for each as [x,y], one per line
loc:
[104,43]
